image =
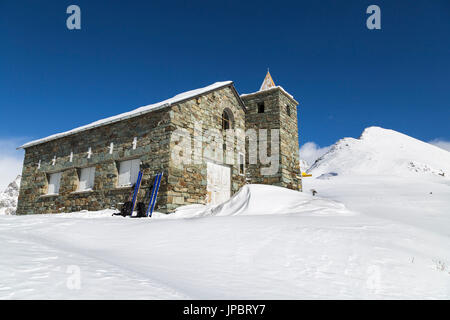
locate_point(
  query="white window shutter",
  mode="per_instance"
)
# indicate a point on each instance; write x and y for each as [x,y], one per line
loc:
[51,186]
[91,178]
[125,173]
[87,179]
[54,183]
[58,181]
[241,163]
[135,166]
[128,172]
[83,179]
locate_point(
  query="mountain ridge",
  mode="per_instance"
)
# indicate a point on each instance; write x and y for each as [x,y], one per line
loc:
[8,198]
[380,151]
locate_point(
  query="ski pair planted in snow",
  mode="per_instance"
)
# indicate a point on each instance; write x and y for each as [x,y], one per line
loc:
[153,195]
[137,186]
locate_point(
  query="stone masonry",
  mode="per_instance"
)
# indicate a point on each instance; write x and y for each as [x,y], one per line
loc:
[187,183]
[280,113]
[199,117]
[153,133]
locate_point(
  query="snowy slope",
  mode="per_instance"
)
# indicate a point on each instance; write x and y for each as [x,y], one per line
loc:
[312,252]
[367,234]
[386,152]
[8,198]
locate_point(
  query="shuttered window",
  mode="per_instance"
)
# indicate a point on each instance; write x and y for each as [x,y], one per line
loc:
[241,164]
[53,183]
[128,172]
[87,177]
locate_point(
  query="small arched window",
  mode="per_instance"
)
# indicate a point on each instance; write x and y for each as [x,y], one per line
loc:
[288,110]
[227,119]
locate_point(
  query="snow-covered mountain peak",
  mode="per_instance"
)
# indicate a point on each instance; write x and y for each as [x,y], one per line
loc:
[376,132]
[8,198]
[304,165]
[380,151]
[381,136]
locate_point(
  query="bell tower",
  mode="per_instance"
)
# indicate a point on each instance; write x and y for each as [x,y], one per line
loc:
[274,109]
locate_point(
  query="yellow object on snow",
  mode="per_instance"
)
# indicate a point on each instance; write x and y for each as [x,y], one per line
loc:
[304,174]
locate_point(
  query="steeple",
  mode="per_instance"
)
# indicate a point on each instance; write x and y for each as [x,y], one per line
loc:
[267,83]
[274,110]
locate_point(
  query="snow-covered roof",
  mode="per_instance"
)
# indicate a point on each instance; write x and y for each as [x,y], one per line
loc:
[276,87]
[134,113]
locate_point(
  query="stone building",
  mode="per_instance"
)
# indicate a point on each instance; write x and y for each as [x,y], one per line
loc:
[202,140]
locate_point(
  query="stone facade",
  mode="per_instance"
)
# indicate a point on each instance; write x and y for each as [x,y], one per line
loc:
[279,113]
[154,138]
[202,118]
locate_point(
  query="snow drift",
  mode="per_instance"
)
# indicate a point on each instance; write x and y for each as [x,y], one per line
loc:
[382,152]
[258,199]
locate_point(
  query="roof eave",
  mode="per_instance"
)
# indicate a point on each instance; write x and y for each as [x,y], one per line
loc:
[63,135]
[290,97]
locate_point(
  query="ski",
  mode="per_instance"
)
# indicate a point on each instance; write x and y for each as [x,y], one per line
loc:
[154,194]
[136,191]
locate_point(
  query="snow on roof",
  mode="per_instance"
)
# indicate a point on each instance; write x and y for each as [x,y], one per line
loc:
[279,87]
[134,113]
[268,84]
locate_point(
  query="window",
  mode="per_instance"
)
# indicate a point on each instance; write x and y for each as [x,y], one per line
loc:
[227,119]
[54,180]
[261,107]
[87,176]
[128,172]
[241,164]
[288,110]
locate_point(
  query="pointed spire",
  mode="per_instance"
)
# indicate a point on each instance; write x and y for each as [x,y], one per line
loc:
[268,82]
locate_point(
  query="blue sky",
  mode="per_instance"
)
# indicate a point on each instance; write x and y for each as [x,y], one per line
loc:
[134,53]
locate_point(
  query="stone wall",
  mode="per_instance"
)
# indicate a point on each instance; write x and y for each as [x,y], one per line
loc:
[268,120]
[184,184]
[274,117]
[289,143]
[154,133]
[153,136]
[200,117]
